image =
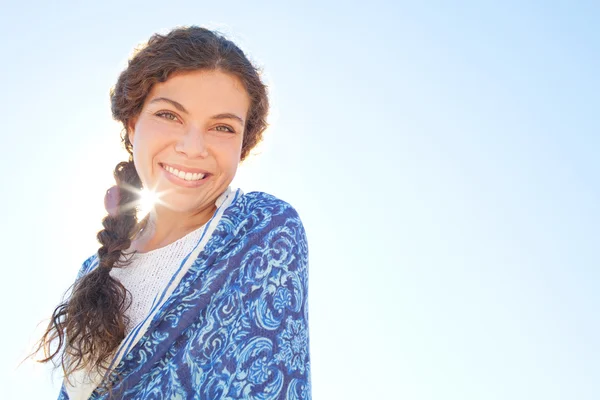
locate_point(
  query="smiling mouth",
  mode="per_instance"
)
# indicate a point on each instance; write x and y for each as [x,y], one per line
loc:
[186,176]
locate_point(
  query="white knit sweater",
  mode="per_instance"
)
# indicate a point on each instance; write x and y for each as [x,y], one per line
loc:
[145,277]
[149,273]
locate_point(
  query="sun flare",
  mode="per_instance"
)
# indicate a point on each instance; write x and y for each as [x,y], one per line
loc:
[148,199]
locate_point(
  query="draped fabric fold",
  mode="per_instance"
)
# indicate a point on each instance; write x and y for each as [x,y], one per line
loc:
[235,323]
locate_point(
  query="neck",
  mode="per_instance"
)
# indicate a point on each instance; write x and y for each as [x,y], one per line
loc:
[165,226]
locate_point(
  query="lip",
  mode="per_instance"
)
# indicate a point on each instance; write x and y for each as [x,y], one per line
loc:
[182,182]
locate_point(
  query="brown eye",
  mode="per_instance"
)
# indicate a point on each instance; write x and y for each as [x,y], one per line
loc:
[167,115]
[228,129]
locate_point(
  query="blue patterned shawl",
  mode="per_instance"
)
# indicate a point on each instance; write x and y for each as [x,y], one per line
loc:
[235,325]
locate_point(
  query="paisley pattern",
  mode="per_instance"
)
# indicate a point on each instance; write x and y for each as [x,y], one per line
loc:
[236,326]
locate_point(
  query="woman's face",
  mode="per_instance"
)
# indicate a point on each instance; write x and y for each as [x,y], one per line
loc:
[187,140]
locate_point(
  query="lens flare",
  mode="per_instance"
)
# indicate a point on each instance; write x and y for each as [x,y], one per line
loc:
[147,201]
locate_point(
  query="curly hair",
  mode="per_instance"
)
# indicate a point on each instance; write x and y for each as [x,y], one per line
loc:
[90,324]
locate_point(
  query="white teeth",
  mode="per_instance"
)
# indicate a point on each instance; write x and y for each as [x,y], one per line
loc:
[188,176]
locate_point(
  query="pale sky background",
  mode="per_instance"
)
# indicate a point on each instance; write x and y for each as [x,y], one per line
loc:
[443,156]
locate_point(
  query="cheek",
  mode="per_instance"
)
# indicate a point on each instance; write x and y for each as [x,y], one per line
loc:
[233,158]
[149,140]
[141,163]
[227,154]
[146,145]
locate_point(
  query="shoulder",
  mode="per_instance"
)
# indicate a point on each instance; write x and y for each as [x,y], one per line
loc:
[88,265]
[259,216]
[264,210]
[256,201]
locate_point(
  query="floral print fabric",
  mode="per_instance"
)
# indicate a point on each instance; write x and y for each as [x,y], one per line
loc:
[236,326]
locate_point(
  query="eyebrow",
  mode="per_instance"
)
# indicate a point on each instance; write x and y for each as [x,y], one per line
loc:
[181,108]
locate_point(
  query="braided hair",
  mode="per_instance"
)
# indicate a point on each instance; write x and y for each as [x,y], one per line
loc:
[90,324]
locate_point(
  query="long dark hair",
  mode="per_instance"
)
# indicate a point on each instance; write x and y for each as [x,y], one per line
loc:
[86,328]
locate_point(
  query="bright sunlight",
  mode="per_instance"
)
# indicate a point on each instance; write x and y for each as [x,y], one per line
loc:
[147,200]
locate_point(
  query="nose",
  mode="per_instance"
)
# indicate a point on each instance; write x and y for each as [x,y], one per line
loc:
[192,143]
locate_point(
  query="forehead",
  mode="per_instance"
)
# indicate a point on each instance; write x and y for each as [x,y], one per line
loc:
[204,91]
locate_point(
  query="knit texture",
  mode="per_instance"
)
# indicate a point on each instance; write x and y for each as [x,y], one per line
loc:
[149,273]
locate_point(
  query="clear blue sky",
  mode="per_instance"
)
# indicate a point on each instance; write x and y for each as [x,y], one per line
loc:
[444,157]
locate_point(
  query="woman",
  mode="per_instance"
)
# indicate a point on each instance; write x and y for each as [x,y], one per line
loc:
[206,296]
